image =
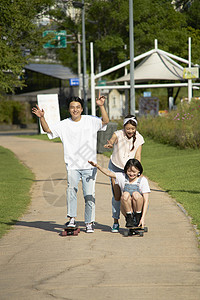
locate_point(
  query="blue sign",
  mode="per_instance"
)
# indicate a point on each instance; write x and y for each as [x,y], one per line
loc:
[147,94]
[74,82]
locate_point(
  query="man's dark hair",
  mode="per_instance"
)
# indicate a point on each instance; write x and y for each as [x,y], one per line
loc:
[76,99]
[133,162]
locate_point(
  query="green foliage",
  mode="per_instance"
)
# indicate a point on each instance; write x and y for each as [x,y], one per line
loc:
[15,184]
[12,112]
[179,128]
[107,26]
[19,34]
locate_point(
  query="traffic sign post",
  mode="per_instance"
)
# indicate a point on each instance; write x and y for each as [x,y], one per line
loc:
[58,39]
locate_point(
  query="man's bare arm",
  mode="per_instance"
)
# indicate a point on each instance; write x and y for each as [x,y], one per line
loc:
[40,114]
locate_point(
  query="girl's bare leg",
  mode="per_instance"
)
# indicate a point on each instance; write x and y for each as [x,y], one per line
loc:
[116,190]
[126,205]
[137,201]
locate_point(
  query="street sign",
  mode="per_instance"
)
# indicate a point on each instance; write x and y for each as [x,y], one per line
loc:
[146,94]
[101,82]
[191,73]
[74,82]
[58,39]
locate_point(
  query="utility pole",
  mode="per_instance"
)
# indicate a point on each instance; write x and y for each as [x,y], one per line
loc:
[131,42]
[81,5]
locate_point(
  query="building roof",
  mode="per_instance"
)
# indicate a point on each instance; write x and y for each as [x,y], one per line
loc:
[155,66]
[53,70]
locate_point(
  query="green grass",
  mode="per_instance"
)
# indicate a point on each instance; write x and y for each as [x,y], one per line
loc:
[42,137]
[15,183]
[177,172]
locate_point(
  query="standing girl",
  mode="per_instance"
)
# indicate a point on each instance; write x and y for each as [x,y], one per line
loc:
[126,143]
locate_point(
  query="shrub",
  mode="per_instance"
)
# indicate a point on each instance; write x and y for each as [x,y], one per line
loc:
[12,112]
[178,128]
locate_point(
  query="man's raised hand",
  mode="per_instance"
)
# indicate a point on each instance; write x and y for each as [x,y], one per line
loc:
[38,112]
[100,101]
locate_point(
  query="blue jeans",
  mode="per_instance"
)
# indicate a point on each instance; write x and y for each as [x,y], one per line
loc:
[115,204]
[88,177]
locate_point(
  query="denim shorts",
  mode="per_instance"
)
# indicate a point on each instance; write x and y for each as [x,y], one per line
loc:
[130,188]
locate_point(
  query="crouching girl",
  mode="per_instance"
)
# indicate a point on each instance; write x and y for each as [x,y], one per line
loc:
[134,189]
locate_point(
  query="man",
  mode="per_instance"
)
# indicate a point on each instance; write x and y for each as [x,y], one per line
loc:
[79,137]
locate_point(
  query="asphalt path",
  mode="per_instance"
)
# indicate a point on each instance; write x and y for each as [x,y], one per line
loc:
[37,263]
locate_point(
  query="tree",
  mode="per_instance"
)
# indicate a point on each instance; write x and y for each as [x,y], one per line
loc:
[20,35]
[193,15]
[107,25]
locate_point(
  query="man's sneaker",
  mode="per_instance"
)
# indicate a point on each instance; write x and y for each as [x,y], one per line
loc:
[71,223]
[115,227]
[129,220]
[89,228]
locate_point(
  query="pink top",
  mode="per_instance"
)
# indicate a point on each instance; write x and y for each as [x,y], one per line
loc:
[122,149]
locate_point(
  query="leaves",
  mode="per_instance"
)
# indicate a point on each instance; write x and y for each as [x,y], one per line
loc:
[18,34]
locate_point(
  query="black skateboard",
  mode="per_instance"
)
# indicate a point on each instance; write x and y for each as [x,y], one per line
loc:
[135,231]
[70,231]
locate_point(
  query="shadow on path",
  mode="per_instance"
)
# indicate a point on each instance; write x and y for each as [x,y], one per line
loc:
[53,226]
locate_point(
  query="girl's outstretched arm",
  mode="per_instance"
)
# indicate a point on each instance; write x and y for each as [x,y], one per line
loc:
[111,142]
[103,170]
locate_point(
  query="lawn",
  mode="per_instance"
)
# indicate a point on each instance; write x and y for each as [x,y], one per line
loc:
[15,184]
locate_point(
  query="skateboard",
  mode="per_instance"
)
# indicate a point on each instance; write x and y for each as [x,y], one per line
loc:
[70,231]
[135,231]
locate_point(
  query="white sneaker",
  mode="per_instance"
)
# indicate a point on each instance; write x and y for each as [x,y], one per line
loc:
[71,223]
[89,228]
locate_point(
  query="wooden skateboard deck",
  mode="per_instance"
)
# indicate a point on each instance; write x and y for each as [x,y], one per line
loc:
[70,231]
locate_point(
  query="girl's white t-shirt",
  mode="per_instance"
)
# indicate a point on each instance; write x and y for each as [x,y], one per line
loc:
[79,140]
[122,149]
[122,179]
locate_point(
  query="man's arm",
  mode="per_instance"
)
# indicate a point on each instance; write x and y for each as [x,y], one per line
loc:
[40,114]
[100,103]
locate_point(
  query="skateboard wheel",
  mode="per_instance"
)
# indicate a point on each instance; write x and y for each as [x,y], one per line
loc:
[64,233]
[145,229]
[141,233]
[126,233]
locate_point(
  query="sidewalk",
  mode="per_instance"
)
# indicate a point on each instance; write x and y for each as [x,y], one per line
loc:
[37,263]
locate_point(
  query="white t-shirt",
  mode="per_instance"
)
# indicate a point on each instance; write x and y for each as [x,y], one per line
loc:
[122,149]
[122,179]
[79,140]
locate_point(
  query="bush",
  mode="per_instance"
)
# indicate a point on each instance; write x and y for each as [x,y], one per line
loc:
[12,112]
[178,128]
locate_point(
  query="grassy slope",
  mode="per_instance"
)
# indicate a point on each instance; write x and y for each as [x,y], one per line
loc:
[15,184]
[176,171]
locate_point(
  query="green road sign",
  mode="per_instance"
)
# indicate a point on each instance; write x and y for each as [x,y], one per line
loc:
[101,82]
[58,39]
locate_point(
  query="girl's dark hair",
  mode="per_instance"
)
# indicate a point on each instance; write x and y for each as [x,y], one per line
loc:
[134,124]
[133,162]
[76,99]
